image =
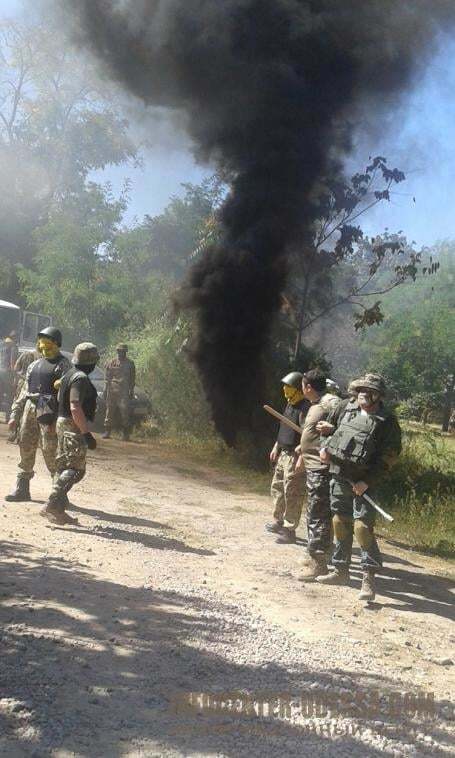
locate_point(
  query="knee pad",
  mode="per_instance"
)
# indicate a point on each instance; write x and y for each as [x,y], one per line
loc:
[341,526]
[68,478]
[363,533]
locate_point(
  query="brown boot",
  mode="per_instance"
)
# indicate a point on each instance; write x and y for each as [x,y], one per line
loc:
[54,510]
[56,516]
[368,589]
[338,577]
[315,567]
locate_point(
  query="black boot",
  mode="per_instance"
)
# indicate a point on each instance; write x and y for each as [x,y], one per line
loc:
[287,536]
[275,527]
[22,492]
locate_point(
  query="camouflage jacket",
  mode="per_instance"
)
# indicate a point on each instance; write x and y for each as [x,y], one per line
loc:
[120,377]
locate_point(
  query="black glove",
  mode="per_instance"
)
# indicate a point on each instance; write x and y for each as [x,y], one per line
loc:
[90,440]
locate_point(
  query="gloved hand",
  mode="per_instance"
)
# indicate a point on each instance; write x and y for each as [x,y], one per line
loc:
[90,440]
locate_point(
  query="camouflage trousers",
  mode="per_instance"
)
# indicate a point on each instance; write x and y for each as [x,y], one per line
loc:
[71,455]
[318,515]
[352,515]
[117,404]
[71,446]
[31,436]
[287,490]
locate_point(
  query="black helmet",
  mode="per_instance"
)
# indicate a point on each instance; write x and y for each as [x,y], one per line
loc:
[52,334]
[294,379]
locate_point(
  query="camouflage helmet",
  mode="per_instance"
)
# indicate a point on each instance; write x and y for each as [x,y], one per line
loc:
[293,379]
[85,354]
[374,382]
[122,346]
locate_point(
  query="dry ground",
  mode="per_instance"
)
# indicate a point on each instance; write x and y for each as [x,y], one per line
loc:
[170,585]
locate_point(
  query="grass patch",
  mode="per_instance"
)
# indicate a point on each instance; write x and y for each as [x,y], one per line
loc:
[211,451]
[420,492]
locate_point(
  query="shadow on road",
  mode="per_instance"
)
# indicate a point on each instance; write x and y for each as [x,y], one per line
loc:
[88,665]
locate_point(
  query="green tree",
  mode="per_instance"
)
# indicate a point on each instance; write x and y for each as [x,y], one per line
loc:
[414,346]
[342,268]
[58,123]
[72,278]
[166,242]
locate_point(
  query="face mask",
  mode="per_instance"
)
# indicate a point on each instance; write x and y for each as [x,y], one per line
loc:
[292,394]
[47,348]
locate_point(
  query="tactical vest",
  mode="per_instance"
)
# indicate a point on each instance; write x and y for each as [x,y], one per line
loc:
[43,376]
[287,438]
[354,441]
[88,403]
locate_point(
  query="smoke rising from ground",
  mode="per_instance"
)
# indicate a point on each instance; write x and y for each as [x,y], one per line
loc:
[272,91]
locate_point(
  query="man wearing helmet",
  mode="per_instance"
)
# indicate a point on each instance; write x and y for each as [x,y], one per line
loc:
[288,484]
[36,408]
[76,408]
[364,440]
[120,381]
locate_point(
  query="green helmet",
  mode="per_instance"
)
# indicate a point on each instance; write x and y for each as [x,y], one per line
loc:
[85,354]
[51,333]
[373,382]
[122,346]
[293,379]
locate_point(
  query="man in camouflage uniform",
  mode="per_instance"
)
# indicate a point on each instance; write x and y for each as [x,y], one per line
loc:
[76,408]
[38,389]
[8,356]
[288,485]
[20,368]
[364,441]
[120,381]
[318,515]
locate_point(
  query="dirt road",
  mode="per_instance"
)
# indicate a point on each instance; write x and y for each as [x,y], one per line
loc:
[170,586]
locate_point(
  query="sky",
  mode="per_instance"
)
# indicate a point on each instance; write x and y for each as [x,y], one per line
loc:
[419,140]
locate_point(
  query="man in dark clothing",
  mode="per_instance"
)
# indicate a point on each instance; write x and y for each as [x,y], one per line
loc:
[287,486]
[364,441]
[76,407]
[120,381]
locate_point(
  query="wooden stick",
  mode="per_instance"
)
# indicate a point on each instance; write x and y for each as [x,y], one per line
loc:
[298,429]
[282,418]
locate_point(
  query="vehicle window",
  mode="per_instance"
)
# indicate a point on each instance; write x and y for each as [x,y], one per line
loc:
[9,321]
[30,329]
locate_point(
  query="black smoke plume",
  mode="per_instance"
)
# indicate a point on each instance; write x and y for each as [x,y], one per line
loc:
[271,91]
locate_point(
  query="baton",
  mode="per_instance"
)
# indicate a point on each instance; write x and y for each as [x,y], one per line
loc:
[377,507]
[298,429]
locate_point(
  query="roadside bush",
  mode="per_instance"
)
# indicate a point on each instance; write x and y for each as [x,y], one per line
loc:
[421,493]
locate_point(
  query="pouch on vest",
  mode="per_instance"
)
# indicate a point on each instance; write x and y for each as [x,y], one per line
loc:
[355,439]
[46,410]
